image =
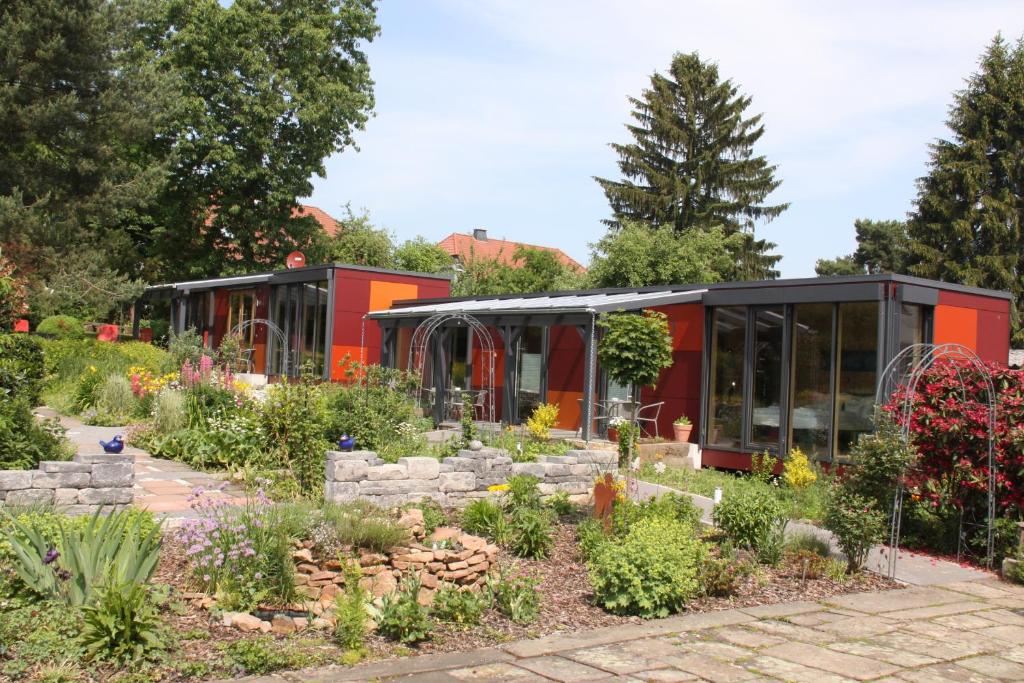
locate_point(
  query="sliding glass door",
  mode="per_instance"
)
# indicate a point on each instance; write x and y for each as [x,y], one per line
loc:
[299,310]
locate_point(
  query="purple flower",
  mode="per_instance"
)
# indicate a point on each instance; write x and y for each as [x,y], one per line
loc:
[63,574]
[50,556]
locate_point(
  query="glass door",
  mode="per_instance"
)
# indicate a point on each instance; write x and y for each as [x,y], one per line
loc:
[528,371]
[241,309]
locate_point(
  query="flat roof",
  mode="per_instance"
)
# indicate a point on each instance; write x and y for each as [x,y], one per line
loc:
[561,304]
[288,274]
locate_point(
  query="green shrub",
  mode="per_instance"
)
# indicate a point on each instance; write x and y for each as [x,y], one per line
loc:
[61,327]
[762,466]
[559,503]
[753,518]
[357,524]
[482,517]
[350,610]
[531,533]
[401,617]
[651,572]
[720,576]
[48,522]
[808,541]
[187,346]
[259,655]
[881,458]
[515,597]
[114,547]
[24,441]
[22,367]
[121,625]
[523,493]
[589,535]
[115,399]
[462,607]
[857,524]
[668,506]
[295,418]
[376,411]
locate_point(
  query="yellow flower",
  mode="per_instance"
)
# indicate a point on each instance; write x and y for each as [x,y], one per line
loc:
[496,488]
[92,368]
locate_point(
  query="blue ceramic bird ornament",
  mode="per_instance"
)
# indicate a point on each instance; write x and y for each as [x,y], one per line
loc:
[115,445]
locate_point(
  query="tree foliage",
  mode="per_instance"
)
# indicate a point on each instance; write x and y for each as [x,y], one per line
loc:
[882,247]
[966,226]
[533,270]
[421,256]
[633,348]
[637,255]
[13,295]
[691,165]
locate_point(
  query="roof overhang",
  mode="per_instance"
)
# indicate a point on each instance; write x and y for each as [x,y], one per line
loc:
[563,304]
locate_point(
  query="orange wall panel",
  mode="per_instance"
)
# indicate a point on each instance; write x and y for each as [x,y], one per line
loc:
[383,294]
[568,403]
[338,352]
[955,325]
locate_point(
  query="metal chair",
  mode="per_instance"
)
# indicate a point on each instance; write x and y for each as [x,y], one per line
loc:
[644,416]
[479,404]
[600,414]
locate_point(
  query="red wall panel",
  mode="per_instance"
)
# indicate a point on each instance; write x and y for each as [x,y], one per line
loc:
[980,323]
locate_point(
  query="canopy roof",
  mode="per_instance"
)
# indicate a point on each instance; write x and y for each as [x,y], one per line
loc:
[549,304]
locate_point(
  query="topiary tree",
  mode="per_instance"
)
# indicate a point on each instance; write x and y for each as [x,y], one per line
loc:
[634,349]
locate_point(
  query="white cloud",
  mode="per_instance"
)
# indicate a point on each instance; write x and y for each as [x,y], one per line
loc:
[503,121]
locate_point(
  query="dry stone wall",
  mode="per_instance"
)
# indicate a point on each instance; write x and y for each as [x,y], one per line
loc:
[456,480]
[78,486]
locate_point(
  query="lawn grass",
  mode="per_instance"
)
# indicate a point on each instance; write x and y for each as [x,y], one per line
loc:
[807,504]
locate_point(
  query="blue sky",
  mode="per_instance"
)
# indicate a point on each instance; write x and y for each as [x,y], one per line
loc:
[497,114]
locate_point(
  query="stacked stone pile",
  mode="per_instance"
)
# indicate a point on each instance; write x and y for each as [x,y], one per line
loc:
[79,486]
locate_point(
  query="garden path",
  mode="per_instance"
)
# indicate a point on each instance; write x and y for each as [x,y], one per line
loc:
[961,631]
[161,486]
[914,568]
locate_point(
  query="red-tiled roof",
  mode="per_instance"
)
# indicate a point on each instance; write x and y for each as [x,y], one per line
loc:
[466,246]
[329,224]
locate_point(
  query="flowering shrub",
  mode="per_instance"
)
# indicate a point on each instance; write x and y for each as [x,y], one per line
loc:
[145,382]
[238,553]
[543,418]
[949,428]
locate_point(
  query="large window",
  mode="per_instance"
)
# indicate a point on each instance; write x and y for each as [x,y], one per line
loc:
[300,312]
[811,384]
[858,363]
[766,376]
[728,344]
[528,371]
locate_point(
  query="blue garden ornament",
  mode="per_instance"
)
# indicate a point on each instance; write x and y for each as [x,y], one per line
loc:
[347,443]
[115,445]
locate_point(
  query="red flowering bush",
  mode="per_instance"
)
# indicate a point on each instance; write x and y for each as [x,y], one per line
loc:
[949,427]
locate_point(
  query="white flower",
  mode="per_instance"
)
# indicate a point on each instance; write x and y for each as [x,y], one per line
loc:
[659,467]
[635,465]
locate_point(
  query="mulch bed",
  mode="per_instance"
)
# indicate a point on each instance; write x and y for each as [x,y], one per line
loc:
[566,605]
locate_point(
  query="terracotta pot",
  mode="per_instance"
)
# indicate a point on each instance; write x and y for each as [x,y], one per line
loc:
[146,334]
[682,432]
[613,434]
[108,333]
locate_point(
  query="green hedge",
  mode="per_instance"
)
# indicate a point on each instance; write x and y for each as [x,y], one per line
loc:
[22,367]
[61,327]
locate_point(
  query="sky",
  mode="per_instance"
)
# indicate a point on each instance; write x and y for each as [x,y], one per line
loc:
[497,114]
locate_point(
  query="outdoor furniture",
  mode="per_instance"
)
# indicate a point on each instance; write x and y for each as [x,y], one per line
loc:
[648,415]
[479,405]
[600,414]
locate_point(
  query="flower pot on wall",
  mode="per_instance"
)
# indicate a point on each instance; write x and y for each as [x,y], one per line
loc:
[613,434]
[146,334]
[682,432]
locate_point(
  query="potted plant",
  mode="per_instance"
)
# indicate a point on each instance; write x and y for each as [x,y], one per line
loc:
[613,428]
[682,428]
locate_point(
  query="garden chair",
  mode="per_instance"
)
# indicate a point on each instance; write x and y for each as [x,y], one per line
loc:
[648,416]
[601,414]
[479,405]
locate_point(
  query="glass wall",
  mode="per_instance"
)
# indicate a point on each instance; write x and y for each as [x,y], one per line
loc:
[725,395]
[766,376]
[811,383]
[858,363]
[528,371]
[299,310]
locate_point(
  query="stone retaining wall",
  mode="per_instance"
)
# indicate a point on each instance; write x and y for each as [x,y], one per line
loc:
[456,480]
[78,486]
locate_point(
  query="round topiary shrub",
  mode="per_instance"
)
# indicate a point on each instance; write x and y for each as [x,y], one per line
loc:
[651,572]
[61,327]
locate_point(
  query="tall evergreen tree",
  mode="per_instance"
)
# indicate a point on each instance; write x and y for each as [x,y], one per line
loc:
[691,164]
[967,223]
[882,247]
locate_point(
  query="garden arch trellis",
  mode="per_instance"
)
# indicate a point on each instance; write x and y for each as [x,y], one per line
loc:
[278,334]
[425,338]
[903,374]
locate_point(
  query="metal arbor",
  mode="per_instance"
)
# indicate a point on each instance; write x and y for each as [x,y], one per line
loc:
[430,335]
[278,334]
[903,374]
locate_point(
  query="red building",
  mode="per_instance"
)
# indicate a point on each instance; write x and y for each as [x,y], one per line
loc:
[290,317]
[757,365]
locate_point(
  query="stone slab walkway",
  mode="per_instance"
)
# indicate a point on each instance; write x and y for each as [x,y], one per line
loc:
[161,486]
[913,568]
[961,631]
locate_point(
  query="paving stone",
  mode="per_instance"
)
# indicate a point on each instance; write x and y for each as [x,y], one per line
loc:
[1014,654]
[840,663]
[561,669]
[895,600]
[867,648]
[493,673]
[723,651]
[1013,635]
[792,632]
[859,627]
[784,609]
[944,650]
[818,618]
[744,637]
[710,668]
[937,610]
[944,673]
[978,589]
[1004,616]
[790,671]
[617,658]
[996,667]
[664,676]
[965,621]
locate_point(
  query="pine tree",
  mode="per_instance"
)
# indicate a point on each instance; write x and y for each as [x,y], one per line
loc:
[967,223]
[691,165]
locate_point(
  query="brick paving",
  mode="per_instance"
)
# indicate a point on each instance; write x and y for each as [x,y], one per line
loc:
[960,631]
